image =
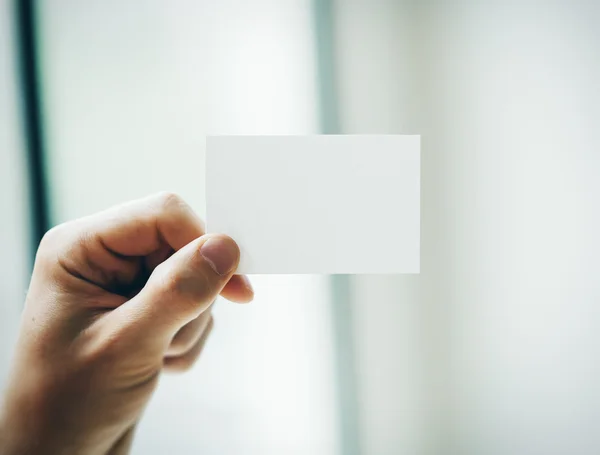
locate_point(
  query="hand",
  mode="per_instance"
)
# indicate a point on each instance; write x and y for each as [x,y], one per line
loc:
[114,299]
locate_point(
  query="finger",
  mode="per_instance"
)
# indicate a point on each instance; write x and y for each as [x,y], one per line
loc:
[105,248]
[188,335]
[141,227]
[178,290]
[186,361]
[123,445]
[238,289]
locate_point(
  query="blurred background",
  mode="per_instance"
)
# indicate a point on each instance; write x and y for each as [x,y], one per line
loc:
[493,349]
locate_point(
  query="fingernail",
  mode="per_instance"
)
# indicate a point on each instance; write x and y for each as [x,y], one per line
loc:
[221,253]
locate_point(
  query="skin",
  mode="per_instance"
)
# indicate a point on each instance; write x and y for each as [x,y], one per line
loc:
[115,299]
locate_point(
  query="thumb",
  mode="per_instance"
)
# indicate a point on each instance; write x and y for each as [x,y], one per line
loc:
[179,290]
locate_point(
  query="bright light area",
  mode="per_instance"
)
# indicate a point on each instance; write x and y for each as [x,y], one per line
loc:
[131,92]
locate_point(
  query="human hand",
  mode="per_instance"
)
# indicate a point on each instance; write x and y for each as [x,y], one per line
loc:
[115,298]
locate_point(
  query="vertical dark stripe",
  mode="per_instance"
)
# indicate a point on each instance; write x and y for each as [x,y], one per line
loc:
[24,13]
[326,78]
[343,325]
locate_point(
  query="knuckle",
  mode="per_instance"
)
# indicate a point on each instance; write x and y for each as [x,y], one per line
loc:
[184,362]
[164,280]
[181,364]
[169,201]
[55,243]
[53,237]
[185,339]
[189,290]
[169,287]
[187,365]
[182,342]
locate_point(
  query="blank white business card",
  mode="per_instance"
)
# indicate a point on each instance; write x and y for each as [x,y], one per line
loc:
[317,204]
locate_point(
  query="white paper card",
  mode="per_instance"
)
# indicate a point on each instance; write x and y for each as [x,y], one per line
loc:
[317,204]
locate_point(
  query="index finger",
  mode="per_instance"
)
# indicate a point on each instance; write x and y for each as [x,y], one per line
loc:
[140,227]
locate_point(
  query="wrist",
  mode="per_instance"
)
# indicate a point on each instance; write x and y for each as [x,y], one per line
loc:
[27,426]
[18,435]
